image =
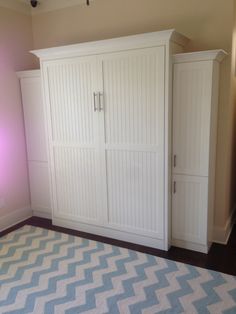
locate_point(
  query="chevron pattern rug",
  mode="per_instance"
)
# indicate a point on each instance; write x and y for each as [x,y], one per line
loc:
[46,272]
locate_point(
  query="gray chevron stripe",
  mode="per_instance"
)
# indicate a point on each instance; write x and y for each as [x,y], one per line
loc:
[46,272]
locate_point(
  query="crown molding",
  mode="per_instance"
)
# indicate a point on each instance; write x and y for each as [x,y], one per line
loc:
[28,73]
[217,55]
[16,5]
[110,45]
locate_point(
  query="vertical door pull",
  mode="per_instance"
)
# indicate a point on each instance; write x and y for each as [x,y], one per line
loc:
[100,101]
[174,187]
[175,159]
[94,102]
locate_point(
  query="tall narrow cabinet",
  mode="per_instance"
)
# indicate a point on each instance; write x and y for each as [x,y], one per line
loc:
[195,106]
[108,113]
[32,101]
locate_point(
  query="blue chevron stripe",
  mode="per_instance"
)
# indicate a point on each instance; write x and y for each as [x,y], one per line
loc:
[150,291]
[39,260]
[71,288]
[107,282]
[30,301]
[36,276]
[58,263]
[16,237]
[212,297]
[28,242]
[184,289]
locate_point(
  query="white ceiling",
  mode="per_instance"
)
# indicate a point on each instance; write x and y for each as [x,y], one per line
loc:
[43,6]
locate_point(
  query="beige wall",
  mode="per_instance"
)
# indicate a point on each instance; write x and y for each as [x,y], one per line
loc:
[15,42]
[208,23]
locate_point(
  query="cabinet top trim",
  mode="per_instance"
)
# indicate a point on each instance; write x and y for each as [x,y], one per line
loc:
[28,73]
[115,44]
[209,55]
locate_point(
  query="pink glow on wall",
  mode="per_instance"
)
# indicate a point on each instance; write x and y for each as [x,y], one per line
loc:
[13,164]
[4,151]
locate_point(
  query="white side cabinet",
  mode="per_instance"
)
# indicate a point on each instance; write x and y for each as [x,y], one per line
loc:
[195,103]
[30,83]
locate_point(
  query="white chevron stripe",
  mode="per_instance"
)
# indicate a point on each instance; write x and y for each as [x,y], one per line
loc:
[43,281]
[26,278]
[198,292]
[79,275]
[98,281]
[22,241]
[33,257]
[8,237]
[227,301]
[19,252]
[101,298]
[162,294]
[139,287]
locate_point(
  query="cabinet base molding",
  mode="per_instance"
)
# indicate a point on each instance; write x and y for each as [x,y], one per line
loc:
[42,213]
[191,246]
[110,233]
[14,217]
[221,234]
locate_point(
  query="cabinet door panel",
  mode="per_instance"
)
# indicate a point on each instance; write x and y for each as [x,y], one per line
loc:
[189,209]
[34,118]
[73,140]
[191,117]
[39,186]
[133,84]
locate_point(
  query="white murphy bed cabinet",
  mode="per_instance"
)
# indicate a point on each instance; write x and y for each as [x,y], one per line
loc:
[30,83]
[108,111]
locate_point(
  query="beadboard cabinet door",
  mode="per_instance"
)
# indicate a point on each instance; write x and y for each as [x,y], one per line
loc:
[33,115]
[74,140]
[133,83]
[189,209]
[192,94]
[32,101]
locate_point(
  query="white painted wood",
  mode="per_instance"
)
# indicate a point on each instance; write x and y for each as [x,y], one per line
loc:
[134,117]
[32,101]
[191,246]
[121,153]
[39,186]
[189,209]
[74,140]
[33,116]
[209,55]
[102,230]
[191,117]
[195,106]
[161,38]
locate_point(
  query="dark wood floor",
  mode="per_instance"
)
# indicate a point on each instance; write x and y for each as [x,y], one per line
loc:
[220,257]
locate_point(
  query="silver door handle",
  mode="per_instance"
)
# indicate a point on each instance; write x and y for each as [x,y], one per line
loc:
[175,160]
[94,102]
[174,188]
[100,102]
